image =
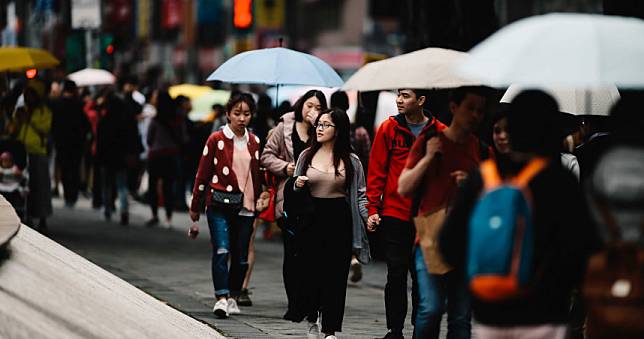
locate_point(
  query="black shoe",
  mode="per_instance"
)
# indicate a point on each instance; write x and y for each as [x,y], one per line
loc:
[393,335]
[356,272]
[152,222]
[42,227]
[244,299]
[125,219]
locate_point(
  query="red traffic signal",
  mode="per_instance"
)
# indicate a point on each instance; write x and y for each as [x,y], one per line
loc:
[31,73]
[109,49]
[243,14]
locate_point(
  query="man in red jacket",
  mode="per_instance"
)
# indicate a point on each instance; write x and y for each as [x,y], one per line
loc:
[389,211]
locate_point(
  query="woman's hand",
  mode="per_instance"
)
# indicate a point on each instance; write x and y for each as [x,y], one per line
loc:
[193,231]
[194,216]
[263,201]
[301,181]
[290,169]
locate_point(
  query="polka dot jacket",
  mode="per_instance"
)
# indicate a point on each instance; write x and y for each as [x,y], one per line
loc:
[215,170]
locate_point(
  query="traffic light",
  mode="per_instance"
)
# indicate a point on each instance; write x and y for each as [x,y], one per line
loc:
[31,73]
[106,45]
[243,19]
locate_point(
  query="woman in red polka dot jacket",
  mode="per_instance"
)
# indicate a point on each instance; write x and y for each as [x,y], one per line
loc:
[229,166]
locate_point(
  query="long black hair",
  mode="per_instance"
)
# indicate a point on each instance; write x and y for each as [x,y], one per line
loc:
[341,147]
[299,104]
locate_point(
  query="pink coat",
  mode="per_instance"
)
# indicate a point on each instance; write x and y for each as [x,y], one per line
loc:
[277,154]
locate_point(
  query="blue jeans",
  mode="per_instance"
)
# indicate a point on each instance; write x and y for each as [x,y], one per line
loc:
[229,234]
[434,293]
[118,178]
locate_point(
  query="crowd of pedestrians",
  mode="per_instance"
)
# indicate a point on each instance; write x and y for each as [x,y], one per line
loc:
[498,236]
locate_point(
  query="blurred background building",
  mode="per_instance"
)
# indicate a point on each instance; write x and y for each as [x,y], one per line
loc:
[185,40]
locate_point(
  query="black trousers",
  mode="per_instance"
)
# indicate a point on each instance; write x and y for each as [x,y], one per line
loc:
[398,240]
[290,268]
[163,168]
[70,162]
[326,257]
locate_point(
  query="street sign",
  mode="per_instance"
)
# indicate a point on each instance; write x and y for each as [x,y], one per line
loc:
[86,14]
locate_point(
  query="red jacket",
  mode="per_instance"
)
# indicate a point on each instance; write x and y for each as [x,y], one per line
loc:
[387,160]
[215,170]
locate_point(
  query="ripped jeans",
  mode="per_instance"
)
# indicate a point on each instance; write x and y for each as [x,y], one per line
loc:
[229,234]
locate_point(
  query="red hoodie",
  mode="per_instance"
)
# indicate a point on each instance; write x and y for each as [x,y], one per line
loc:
[389,152]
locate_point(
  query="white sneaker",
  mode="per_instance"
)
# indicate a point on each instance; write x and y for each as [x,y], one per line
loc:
[167,223]
[221,309]
[232,307]
[314,331]
[330,337]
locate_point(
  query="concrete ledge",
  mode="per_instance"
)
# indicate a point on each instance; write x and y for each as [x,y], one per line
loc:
[9,222]
[47,291]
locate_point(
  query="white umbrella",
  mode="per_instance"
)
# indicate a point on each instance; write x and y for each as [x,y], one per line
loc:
[423,69]
[572,50]
[92,76]
[596,101]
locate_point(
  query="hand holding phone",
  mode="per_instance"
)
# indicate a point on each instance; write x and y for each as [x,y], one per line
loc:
[193,232]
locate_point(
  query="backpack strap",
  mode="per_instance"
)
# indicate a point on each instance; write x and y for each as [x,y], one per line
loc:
[529,171]
[490,174]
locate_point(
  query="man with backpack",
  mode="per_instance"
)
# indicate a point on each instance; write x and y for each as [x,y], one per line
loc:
[390,212]
[438,162]
[519,230]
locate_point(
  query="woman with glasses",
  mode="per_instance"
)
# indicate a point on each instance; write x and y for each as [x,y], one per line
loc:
[283,147]
[334,177]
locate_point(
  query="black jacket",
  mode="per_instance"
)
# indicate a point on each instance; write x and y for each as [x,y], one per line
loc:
[298,207]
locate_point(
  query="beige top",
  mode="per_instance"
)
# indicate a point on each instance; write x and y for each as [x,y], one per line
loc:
[326,184]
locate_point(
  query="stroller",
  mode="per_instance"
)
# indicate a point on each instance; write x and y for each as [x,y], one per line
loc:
[14,179]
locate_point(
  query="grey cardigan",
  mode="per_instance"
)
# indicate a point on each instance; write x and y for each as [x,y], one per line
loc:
[357,199]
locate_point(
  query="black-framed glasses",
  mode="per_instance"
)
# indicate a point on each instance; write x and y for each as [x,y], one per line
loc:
[323,126]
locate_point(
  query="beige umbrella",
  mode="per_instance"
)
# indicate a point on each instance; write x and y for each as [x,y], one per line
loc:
[595,101]
[423,69]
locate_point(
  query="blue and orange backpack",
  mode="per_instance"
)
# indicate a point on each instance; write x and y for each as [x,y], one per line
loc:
[501,234]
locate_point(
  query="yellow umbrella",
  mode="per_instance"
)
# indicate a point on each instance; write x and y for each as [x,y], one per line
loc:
[189,90]
[19,58]
[201,106]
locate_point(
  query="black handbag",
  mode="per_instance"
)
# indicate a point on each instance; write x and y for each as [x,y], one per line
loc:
[233,201]
[227,200]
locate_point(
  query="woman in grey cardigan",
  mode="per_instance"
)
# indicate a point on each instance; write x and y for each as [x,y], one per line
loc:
[337,229]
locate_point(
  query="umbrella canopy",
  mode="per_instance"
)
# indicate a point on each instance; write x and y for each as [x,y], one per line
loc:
[19,58]
[92,77]
[574,50]
[189,90]
[276,66]
[423,69]
[597,101]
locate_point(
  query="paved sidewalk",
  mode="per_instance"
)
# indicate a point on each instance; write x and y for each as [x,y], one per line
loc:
[168,265]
